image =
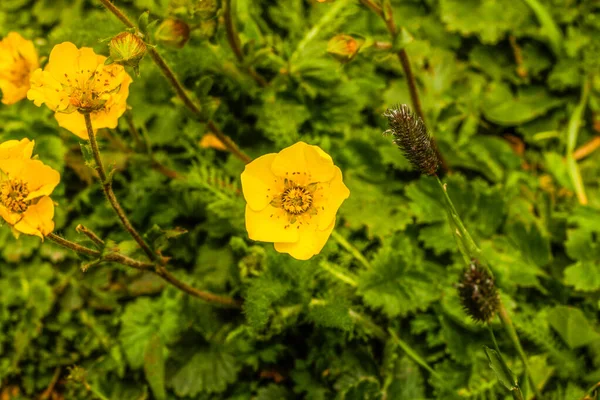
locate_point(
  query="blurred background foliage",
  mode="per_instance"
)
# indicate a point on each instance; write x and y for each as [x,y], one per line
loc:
[500,82]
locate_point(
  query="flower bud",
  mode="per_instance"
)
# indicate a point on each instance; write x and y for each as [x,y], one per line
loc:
[173,32]
[411,136]
[478,293]
[126,49]
[344,47]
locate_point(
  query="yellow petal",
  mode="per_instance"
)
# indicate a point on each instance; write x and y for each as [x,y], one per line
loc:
[16,149]
[263,227]
[75,123]
[41,179]
[304,158]
[310,243]
[258,182]
[210,140]
[63,61]
[337,192]
[46,89]
[10,217]
[38,219]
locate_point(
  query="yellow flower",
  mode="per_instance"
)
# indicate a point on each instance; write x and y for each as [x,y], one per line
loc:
[17,59]
[77,80]
[292,199]
[11,149]
[25,187]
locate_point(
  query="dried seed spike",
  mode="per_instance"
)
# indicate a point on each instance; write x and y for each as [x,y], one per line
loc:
[478,293]
[411,136]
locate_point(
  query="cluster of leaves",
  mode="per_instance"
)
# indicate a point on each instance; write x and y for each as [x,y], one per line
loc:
[498,87]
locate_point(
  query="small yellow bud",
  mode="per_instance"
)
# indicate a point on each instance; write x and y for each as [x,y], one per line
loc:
[173,32]
[344,47]
[126,49]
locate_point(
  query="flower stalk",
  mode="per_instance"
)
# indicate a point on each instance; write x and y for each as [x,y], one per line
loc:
[159,270]
[106,182]
[235,44]
[388,17]
[178,87]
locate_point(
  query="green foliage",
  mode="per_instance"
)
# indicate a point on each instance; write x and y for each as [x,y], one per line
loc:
[498,82]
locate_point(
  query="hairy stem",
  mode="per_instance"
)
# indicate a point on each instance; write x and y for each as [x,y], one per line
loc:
[145,266]
[388,18]
[235,44]
[110,194]
[572,133]
[514,338]
[178,87]
[516,390]
[471,251]
[413,354]
[351,249]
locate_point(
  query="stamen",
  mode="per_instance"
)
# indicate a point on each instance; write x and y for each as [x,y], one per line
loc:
[13,194]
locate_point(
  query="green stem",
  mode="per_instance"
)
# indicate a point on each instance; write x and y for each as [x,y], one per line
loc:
[370,326]
[339,274]
[467,245]
[572,133]
[516,390]
[550,27]
[471,251]
[110,194]
[413,354]
[351,249]
[514,338]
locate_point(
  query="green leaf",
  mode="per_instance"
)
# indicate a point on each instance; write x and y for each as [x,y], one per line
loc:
[583,275]
[572,326]
[209,370]
[154,367]
[408,383]
[142,319]
[374,206]
[399,282]
[488,19]
[88,155]
[502,107]
[504,375]
[262,293]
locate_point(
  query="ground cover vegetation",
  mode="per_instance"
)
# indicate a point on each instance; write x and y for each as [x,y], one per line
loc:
[344,199]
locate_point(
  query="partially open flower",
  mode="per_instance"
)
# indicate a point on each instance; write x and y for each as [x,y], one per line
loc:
[173,32]
[25,187]
[77,80]
[292,199]
[18,58]
[344,47]
[126,49]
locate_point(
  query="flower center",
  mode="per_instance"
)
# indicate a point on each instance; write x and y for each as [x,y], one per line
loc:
[296,200]
[13,194]
[89,90]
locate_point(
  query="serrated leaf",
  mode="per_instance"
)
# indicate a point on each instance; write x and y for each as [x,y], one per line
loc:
[144,318]
[208,371]
[398,282]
